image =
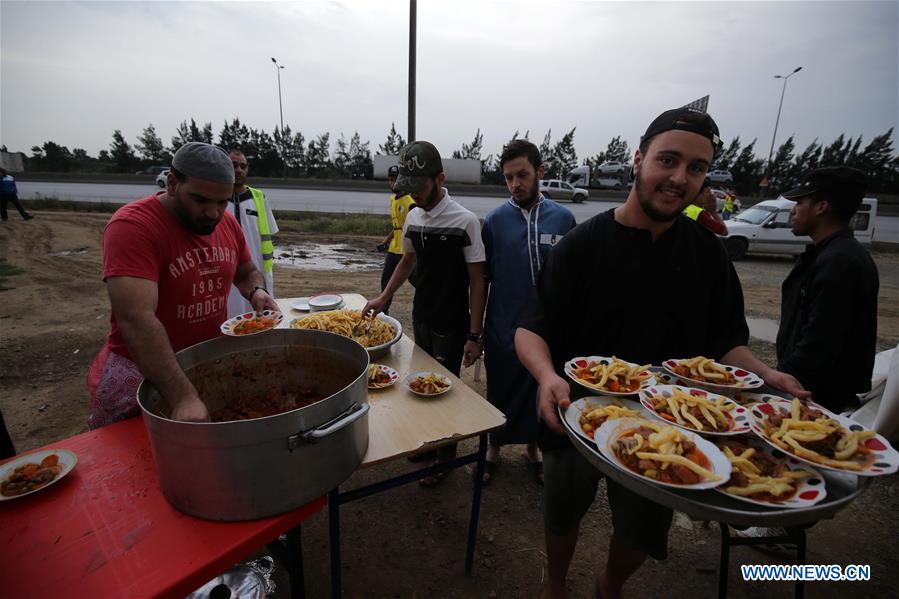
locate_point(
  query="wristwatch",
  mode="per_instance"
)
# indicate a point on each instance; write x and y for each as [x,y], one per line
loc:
[255,289]
[476,337]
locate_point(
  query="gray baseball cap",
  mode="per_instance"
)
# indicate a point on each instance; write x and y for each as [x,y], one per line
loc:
[419,161]
[204,161]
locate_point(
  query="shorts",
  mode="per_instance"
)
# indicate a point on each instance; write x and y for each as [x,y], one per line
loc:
[570,484]
[112,382]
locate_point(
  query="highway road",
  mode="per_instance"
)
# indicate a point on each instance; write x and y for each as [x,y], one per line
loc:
[314,200]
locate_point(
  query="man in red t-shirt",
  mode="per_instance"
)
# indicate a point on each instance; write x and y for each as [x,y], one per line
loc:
[169,261]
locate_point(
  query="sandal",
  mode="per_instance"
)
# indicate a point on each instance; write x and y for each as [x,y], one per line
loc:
[489,472]
[536,470]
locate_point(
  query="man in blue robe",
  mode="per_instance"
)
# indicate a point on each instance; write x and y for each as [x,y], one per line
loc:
[518,236]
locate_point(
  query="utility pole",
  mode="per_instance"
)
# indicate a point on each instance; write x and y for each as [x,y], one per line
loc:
[410,131]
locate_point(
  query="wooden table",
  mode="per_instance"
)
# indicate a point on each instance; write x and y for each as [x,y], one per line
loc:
[106,530]
[402,424]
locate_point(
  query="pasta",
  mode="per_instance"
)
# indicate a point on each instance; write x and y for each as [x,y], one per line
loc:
[343,322]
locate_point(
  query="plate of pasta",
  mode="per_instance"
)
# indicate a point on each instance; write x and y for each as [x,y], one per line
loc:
[381,376]
[663,454]
[587,414]
[696,410]
[819,437]
[610,376]
[428,384]
[708,373]
[376,335]
[251,323]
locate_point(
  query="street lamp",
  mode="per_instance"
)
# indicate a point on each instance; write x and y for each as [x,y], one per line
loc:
[783,91]
[280,107]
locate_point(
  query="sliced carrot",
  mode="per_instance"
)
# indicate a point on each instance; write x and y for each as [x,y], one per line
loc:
[50,460]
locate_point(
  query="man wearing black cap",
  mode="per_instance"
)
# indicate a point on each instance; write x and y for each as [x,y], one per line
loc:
[169,261]
[828,323]
[400,205]
[630,283]
[442,241]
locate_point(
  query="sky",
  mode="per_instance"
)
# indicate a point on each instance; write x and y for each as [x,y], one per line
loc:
[72,72]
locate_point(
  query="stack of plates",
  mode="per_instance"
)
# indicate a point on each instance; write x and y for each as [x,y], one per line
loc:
[329,301]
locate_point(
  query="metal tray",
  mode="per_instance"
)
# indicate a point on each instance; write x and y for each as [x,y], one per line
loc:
[713,506]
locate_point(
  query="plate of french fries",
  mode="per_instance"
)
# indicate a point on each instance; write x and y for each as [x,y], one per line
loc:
[428,384]
[381,376]
[662,454]
[587,414]
[610,376]
[768,477]
[708,373]
[696,410]
[823,439]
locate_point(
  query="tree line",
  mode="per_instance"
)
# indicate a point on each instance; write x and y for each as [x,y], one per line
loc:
[285,152]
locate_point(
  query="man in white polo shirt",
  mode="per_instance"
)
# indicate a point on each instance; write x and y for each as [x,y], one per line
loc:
[442,241]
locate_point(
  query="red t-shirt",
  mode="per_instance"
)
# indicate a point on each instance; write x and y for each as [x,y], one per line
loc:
[194,273]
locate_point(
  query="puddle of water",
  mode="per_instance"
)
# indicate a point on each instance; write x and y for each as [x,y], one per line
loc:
[328,256]
[71,252]
[763,328]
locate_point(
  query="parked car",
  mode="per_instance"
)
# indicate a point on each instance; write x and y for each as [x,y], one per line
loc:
[161,177]
[720,177]
[609,183]
[556,189]
[767,228]
[152,170]
[612,167]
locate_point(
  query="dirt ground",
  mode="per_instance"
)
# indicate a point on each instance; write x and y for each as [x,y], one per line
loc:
[409,542]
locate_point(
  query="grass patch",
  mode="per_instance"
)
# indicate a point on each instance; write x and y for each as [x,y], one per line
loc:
[54,203]
[8,270]
[376,225]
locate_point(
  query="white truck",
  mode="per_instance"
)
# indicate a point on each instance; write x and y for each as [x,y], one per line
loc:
[614,178]
[766,228]
[456,170]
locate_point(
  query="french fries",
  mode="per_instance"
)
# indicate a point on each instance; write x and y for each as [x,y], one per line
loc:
[759,476]
[695,412]
[377,377]
[617,376]
[590,420]
[810,434]
[664,453]
[704,370]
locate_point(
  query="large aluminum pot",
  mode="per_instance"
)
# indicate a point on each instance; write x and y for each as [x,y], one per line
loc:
[249,469]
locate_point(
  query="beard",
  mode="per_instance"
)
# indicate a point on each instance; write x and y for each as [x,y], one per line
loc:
[530,198]
[645,199]
[200,226]
[431,200]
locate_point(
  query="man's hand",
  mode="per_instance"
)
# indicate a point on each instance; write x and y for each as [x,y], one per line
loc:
[375,306]
[553,392]
[261,300]
[190,409]
[786,382]
[471,353]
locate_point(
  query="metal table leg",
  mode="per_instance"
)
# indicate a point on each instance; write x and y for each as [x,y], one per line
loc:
[290,555]
[794,536]
[334,540]
[476,503]
[724,562]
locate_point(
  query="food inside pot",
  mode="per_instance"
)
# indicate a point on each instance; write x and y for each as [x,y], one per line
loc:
[272,401]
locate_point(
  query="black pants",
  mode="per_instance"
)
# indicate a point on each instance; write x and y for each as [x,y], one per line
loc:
[6,447]
[390,263]
[6,198]
[447,348]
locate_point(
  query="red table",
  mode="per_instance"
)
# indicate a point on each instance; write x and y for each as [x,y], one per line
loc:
[105,530]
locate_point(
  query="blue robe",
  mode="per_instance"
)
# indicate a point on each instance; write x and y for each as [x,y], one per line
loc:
[517,247]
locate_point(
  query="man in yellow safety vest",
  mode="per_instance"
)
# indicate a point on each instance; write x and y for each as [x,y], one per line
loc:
[254,214]
[400,205]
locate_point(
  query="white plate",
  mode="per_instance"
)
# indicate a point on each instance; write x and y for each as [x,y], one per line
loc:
[393,374]
[886,459]
[581,361]
[739,413]
[301,304]
[327,301]
[609,432]
[229,325]
[810,491]
[67,459]
[375,351]
[415,375]
[585,404]
[744,378]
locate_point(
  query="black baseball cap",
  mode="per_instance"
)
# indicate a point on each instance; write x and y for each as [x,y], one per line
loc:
[842,186]
[419,161]
[685,119]
[393,171]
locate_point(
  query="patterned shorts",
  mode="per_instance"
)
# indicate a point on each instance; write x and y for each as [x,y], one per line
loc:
[112,382]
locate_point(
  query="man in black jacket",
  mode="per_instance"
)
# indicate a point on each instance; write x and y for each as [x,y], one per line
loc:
[828,326]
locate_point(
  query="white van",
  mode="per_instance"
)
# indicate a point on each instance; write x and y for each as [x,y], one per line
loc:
[766,228]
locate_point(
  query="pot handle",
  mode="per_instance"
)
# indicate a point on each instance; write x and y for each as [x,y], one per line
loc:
[355,412]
